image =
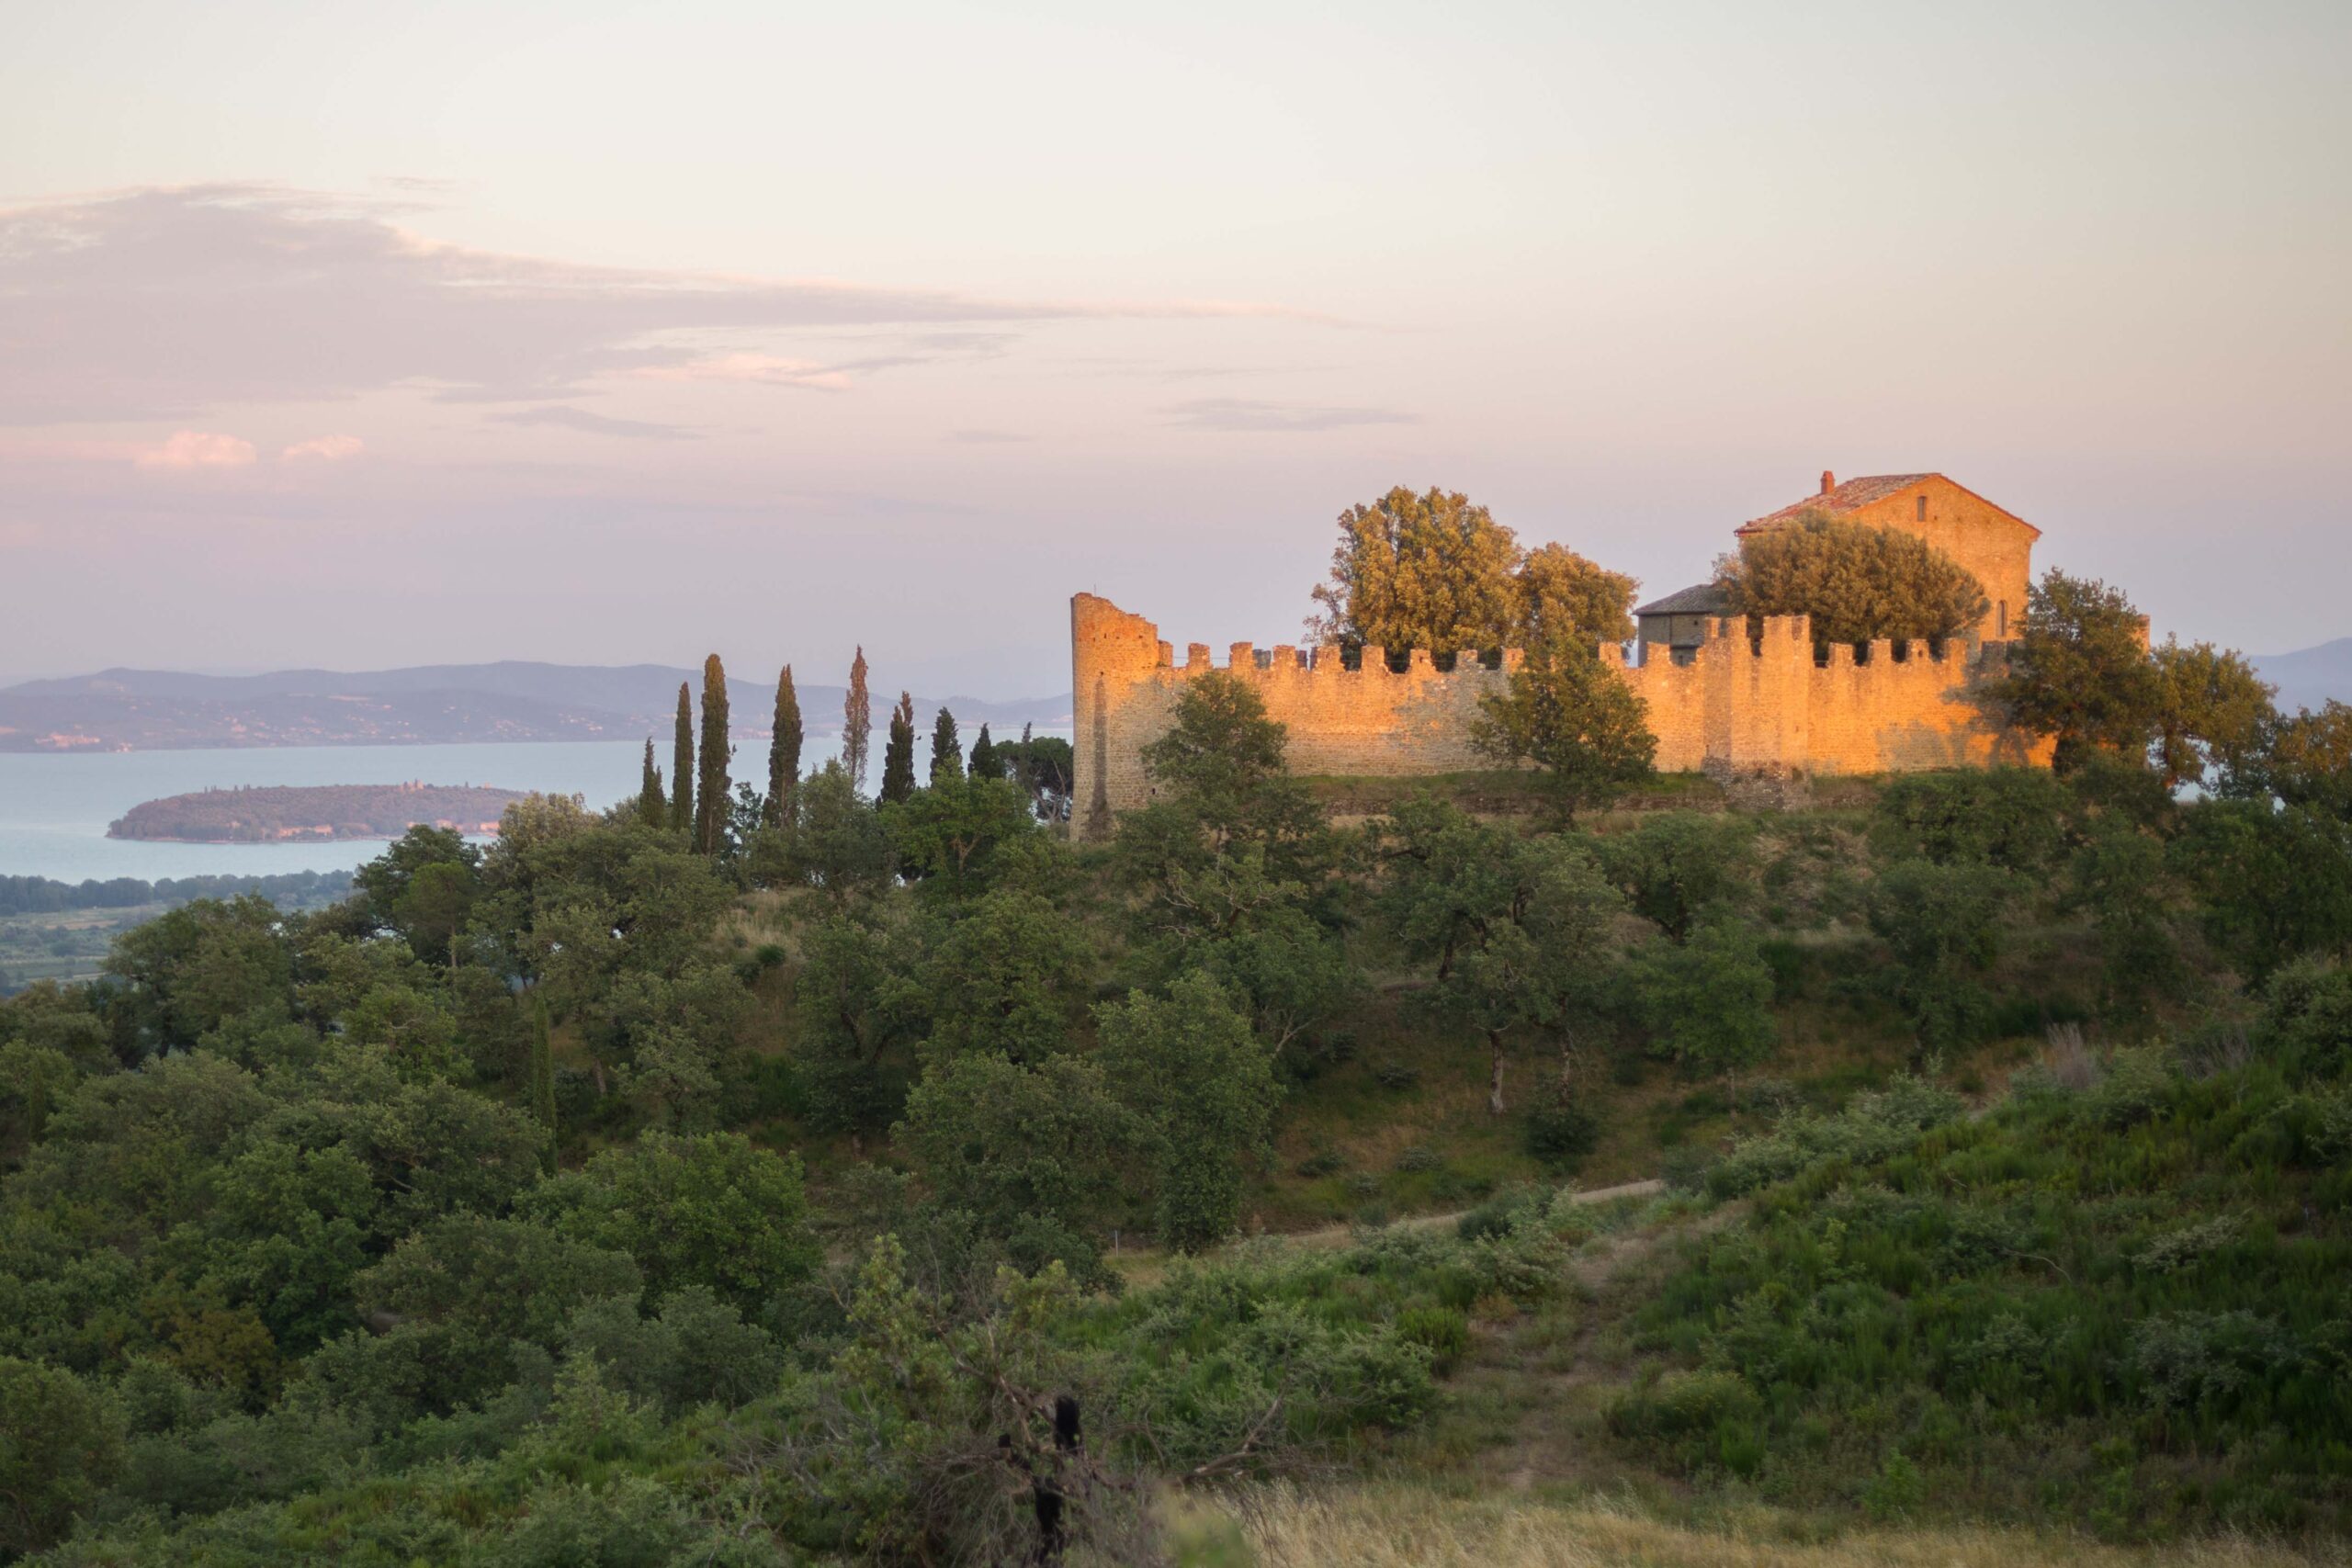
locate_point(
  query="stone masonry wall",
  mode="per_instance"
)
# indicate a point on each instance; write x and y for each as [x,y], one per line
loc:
[1737,707]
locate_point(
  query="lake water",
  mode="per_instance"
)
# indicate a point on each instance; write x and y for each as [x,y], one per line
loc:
[55,809]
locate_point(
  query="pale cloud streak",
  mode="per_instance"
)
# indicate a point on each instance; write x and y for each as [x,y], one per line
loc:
[197,449]
[1258,414]
[324,449]
[158,304]
[589,424]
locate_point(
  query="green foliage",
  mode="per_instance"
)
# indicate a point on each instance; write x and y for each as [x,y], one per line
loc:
[543,1080]
[199,968]
[1201,1088]
[2010,818]
[423,888]
[2210,712]
[985,761]
[682,815]
[1561,1134]
[857,723]
[860,1010]
[839,844]
[653,806]
[2119,1284]
[1562,597]
[2275,882]
[712,790]
[711,1212]
[946,750]
[1002,977]
[2305,761]
[1677,866]
[960,836]
[1707,1002]
[2080,673]
[1572,718]
[1943,926]
[899,753]
[60,1446]
[1858,582]
[1429,570]
[784,754]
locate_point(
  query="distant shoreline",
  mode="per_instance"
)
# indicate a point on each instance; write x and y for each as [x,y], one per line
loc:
[313,814]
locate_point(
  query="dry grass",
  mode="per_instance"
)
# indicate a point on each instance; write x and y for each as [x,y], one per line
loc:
[1395,1526]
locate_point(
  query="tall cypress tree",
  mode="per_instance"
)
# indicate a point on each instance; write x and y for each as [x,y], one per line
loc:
[681,766]
[857,723]
[543,1076]
[784,754]
[652,809]
[898,752]
[946,750]
[985,763]
[711,790]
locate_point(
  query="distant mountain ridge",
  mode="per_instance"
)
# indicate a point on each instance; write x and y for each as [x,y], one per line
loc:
[2310,677]
[514,700]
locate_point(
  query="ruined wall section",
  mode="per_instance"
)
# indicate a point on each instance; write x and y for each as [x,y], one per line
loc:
[1735,708]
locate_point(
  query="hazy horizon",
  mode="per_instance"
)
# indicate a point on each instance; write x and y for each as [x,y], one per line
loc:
[586,334]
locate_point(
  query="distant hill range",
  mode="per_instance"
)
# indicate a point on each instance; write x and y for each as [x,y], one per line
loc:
[312,813]
[142,710]
[2311,677]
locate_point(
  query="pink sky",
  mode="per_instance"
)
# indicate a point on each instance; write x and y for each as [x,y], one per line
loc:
[597,333]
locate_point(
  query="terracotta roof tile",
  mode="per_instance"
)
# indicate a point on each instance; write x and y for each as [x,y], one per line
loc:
[1846,497]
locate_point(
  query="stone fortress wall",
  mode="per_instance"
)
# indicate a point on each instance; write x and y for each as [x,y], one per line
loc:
[1729,706]
[1735,708]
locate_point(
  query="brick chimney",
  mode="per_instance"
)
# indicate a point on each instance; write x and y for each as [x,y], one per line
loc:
[1829,481]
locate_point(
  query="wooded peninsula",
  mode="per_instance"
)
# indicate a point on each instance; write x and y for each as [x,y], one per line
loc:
[312,813]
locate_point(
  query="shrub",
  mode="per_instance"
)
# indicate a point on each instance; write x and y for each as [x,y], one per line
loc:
[1417,1158]
[1443,1331]
[1395,1075]
[1561,1134]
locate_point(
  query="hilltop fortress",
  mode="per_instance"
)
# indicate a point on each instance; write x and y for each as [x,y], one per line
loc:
[1717,700]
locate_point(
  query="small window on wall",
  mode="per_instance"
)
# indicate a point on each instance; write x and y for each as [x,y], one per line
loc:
[1923,509]
[2001,621]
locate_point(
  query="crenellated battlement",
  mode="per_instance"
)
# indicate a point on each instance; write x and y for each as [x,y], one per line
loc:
[1735,705]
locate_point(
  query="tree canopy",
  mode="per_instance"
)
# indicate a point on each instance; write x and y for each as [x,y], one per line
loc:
[1858,582]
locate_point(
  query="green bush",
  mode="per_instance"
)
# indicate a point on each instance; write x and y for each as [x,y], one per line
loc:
[1560,1135]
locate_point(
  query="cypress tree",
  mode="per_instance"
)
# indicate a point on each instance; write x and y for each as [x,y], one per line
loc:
[652,809]
[857,723]
[984,763]
[946,750]
[681,766]
[543,1077]
[898,752]
[784,753]
[711,790]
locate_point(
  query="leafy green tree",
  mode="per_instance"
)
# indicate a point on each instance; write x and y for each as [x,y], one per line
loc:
[946,750]
[1002,978]
[681,767]
[840,844]
[1564,597]
[1707,1000]
[860,1006]
[1517,928]
[60,1448]
[2304,761]
[2120,877]
[1429,571]
[653,806]
[1677,866]
[784,754]
[1943,926]
[857,723]
[2080,673]
[1033,1153]
[543,1078]
[1858,582]
[985,762]
[1043,764]
[2209,713]
[2011,817]
[202,967]
[1572,718]
[711,788]
[899,753]
[1291,974]
[954,836]
[1201,1084]
[1224,786]
[714,1211]
[2274,882]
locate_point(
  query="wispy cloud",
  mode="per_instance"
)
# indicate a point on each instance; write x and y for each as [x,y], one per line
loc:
[589,424]
[1253,413]
[197,449]
[760,369]
[324,449]
[167,303]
